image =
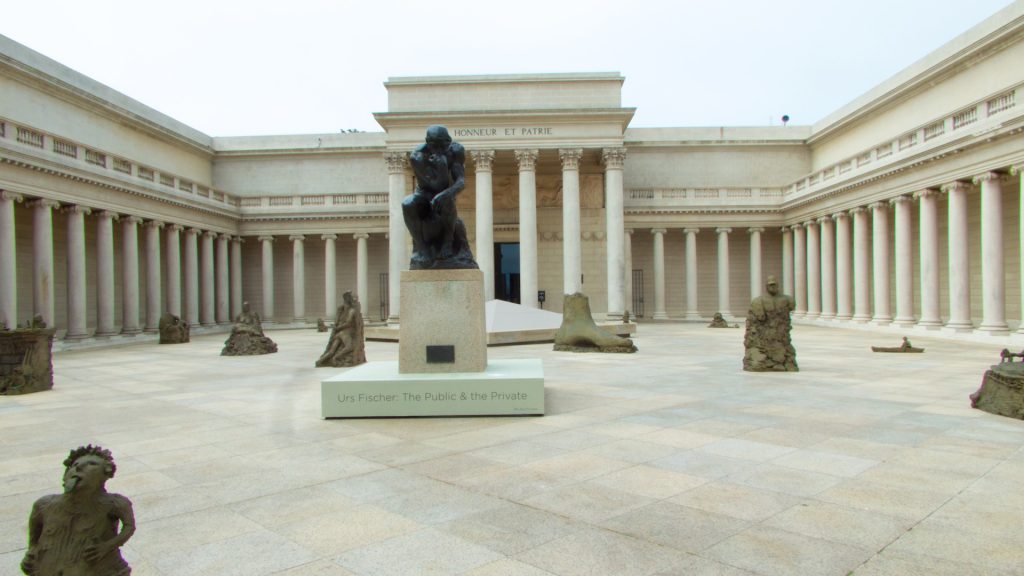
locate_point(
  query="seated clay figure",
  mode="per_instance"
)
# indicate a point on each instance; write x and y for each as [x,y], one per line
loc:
[247,337]
[579,333]
[173,330]
[346,346]
[718,321]
[81,531]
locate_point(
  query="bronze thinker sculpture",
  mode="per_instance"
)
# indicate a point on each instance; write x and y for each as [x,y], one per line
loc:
[346,346]
[77,533]
[767,340]
[438,234]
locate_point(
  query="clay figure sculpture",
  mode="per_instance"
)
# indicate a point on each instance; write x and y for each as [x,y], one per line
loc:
[438,234]
[579,333]
[173,330]
[80,532]
[346,346]
[767,340]
[1002,387]
[718,321]
[321,326]
[247,337]
[904,348]
[26,358]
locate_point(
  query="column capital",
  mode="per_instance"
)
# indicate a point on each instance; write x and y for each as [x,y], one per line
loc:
[397,162]
[856,210]
[297,238]
[193,231]
[755,230]
[360,235]
[839,216]
[880,205]
[43,203]
[131,220]
[785,230]
[155,224]
[1016,169]
[613,158]
[796,227]
[210,234]
[76,209]
[175,228]
[570,158]
[823,219]
[238,239]
[265,238]
[329,237]
[8,195]
[691,230]
[926,193]
[955,186]
[902,198]
[483,160]
[113,216]
[658,230]
[723,230]
[527,159]
[629,231]
[808,223]
[988,177]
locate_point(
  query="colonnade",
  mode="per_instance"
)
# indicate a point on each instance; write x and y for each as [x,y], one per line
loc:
[613,160]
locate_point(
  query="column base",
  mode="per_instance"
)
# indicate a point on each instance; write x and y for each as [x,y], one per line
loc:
[106,334]
[74,337]
[131,331]
[611,315]
[843,317]
[693,315]
[929,324]
[812,316]
[659,316]
[862,319]
[881,321]
[906,322]
[994,329]
[958,328]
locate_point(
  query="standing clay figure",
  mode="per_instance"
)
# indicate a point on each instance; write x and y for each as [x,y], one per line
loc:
[76,533]
[247,337]
[579,333]
[438,235]
[767,341]
[173,330]
[346,346]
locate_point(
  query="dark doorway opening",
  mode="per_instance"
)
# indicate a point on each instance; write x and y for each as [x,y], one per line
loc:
[506,271]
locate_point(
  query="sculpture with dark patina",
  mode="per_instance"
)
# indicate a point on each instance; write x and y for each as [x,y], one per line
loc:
[438,235]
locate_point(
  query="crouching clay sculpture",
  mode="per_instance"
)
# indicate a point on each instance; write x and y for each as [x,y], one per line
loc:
[579,333]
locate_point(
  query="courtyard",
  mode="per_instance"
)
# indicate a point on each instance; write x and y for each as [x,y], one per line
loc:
[668,461]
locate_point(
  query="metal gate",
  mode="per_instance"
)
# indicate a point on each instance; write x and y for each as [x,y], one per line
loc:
[638,293]
[384,299]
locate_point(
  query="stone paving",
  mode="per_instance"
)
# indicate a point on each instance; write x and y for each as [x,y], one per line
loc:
[668,461]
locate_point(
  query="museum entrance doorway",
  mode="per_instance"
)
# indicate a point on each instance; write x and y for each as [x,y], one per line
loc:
[506,271]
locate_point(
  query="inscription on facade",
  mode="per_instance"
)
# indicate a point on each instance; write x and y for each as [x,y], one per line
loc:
[511,132]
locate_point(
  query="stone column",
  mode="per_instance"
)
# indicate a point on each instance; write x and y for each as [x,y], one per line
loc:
[330,275]
[627,240]
[787,261]
[483,161]
[8,262]
[813,269]
[207,314]
[223,284]
[42,260]
[152,232]
[173,248]
[191,273]
[993,276]
[77,313]
[929,233]
[614,159]
[268,277]
[298,277]
[105,273]
[692,312]
[959,272]
[861,266]
[236,276]
[756,277]
[799,270]
[1018,170]
[723,271]
[572,253]
[527,160]
[362,272]
[904,262]
[828,267]
[130,275]
[397,260]
[659,274]
[844,267]
[880,260]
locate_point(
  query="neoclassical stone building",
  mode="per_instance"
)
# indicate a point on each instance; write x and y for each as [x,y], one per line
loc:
[902,208]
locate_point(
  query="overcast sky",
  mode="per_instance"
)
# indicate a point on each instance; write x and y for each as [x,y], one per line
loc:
[230,68]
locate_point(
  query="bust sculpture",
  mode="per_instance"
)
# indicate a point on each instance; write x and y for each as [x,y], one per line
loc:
[247,337]
[438,235]
[81,531]
[346,346]
[767,340]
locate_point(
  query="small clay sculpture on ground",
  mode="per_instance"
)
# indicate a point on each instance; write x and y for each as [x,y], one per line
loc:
[321,326]
[173,330]
[346,346]
[717,321]
[1002,387]
[26,358]
[904,348]
[579,333]
[81,531]
[767,340]
[247,337]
